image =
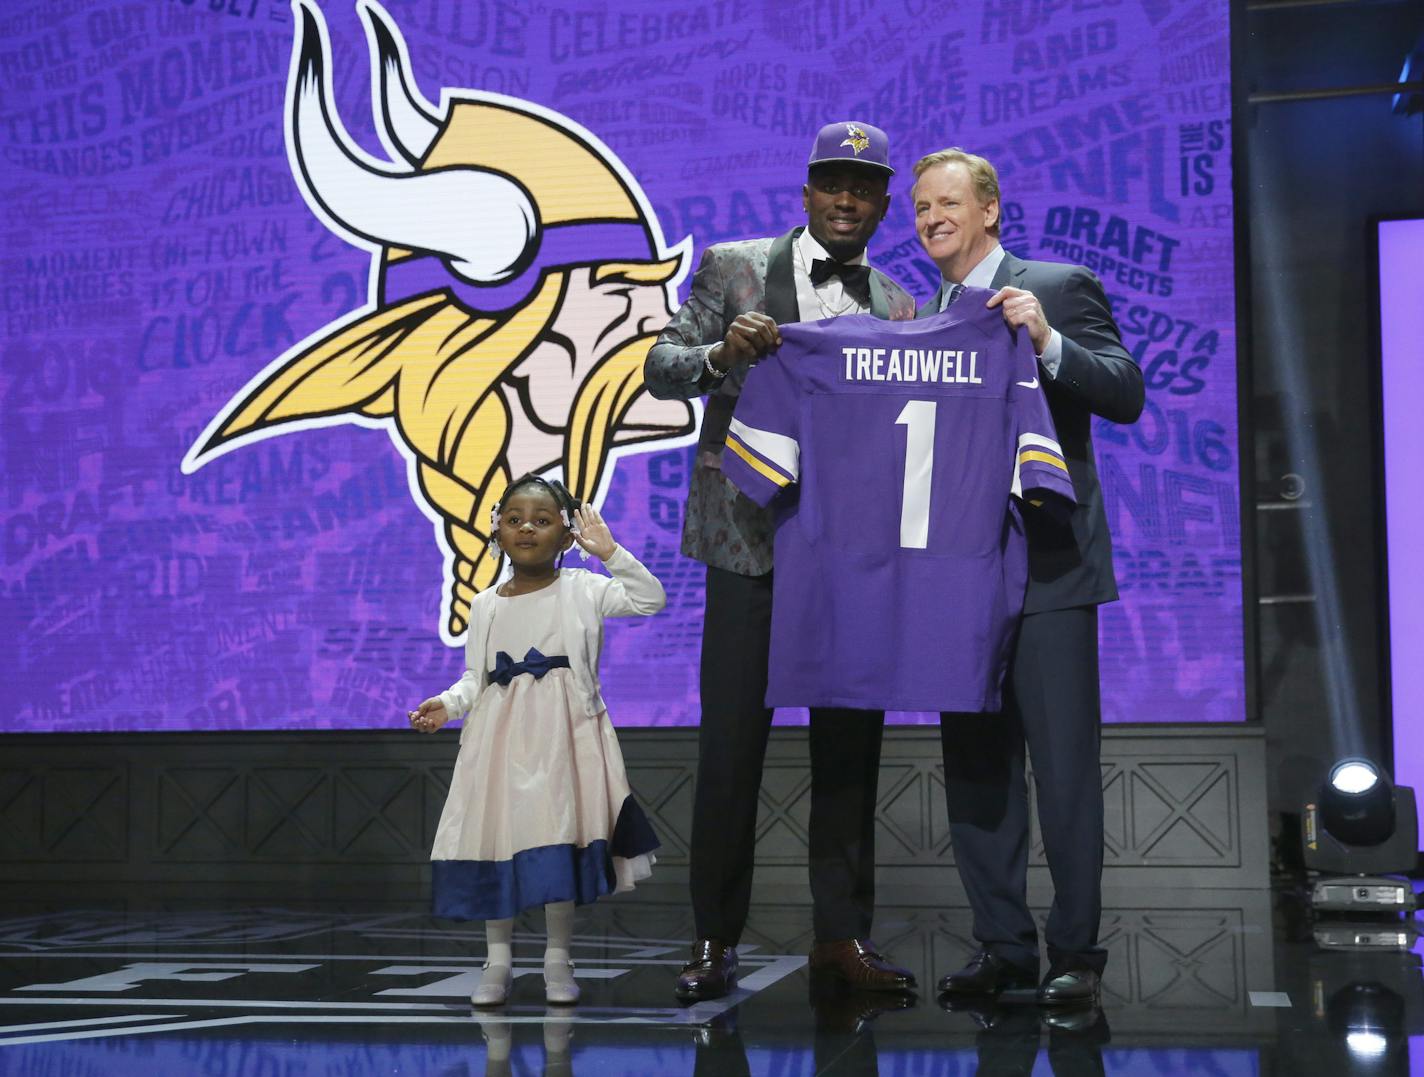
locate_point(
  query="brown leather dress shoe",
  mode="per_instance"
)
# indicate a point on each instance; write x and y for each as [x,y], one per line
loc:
[710,973]
[860,964]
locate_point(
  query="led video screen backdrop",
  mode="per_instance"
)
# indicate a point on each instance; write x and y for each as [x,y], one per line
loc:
[270,353]
[1401,268]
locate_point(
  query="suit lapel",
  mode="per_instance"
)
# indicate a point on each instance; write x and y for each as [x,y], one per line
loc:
[781,302]
[879,302]
[931,307]
[1009,272]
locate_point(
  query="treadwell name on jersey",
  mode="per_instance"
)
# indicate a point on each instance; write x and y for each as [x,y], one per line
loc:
[925,365]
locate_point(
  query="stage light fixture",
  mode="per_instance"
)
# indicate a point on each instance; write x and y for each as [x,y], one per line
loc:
[1361,831]
[1356,803]
[1365,936]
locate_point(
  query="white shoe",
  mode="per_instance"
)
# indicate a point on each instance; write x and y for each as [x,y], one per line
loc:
[493,989]
[560,989]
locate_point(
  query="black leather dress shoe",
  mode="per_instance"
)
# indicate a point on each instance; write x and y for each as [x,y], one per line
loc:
[987,974]
[710,973]
[1069,987]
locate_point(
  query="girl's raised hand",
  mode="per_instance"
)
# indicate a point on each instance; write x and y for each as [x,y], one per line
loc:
[593,534]
[430,716]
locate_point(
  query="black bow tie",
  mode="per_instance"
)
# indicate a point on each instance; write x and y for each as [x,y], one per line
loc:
[855,279]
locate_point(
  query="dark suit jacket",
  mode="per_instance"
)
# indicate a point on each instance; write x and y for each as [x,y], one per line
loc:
[1071,564]
[722,527]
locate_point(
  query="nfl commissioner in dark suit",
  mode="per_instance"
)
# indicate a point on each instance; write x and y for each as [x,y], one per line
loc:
[1052,703]
[1096,376]
[740,293]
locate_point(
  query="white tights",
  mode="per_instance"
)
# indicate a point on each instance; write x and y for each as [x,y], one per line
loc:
[499,939]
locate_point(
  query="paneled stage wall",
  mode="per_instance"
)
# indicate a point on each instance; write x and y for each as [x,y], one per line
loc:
[1185,808]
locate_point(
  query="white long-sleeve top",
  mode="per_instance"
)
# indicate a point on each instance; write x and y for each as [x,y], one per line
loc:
[631,591]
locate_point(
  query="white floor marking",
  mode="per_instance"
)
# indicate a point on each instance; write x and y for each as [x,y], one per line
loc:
[178,1026]
[89,1022]
[1270,998]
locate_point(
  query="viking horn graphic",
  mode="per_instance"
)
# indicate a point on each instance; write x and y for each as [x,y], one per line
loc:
[406,121]
[468,284]
[481,222]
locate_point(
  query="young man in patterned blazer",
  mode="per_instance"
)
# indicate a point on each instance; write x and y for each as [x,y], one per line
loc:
[740,293]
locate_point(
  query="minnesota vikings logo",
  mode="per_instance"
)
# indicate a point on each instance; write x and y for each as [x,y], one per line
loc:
[518,278]
[858,139]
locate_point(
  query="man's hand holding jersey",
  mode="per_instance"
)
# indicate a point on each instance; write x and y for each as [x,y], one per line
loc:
[1021,309]
[749,337]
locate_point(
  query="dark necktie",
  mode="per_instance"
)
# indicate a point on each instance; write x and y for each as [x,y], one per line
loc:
[954,290]
[855,279]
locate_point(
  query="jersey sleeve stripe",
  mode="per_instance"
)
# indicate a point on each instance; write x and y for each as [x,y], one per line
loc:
[777,450]
[1041,441]
[1042,457]
[755,463]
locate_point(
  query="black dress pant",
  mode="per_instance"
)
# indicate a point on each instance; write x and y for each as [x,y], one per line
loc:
[845,768]
[1051,704]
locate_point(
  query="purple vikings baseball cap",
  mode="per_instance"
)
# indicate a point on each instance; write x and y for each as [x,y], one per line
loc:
[852,142]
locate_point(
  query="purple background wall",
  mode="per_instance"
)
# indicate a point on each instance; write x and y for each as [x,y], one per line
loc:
[1401,267]
[158,254]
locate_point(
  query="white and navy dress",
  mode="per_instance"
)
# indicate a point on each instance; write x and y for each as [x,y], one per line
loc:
[539,808]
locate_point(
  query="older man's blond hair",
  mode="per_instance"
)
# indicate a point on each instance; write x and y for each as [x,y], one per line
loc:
[983,176]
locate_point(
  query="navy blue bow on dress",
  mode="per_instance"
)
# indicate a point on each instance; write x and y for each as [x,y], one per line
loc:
[506,668]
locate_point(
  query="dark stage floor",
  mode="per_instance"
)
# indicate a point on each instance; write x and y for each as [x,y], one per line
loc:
[1221,984]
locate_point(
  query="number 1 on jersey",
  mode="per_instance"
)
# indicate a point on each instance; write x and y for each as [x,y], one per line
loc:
[918,419]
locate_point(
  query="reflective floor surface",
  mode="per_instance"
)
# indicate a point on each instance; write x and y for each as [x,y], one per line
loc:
[1226,984]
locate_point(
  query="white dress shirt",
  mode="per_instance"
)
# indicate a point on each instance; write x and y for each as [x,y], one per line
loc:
[827,299]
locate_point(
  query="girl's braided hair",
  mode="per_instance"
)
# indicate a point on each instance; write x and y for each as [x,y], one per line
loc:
[558,491]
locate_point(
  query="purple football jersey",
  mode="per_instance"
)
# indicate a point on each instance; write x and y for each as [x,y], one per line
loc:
[895,452]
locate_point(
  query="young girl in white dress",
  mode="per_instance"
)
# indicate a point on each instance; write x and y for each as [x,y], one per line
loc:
[539,811]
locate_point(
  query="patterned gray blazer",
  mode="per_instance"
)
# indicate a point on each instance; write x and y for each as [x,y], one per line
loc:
[722,528]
